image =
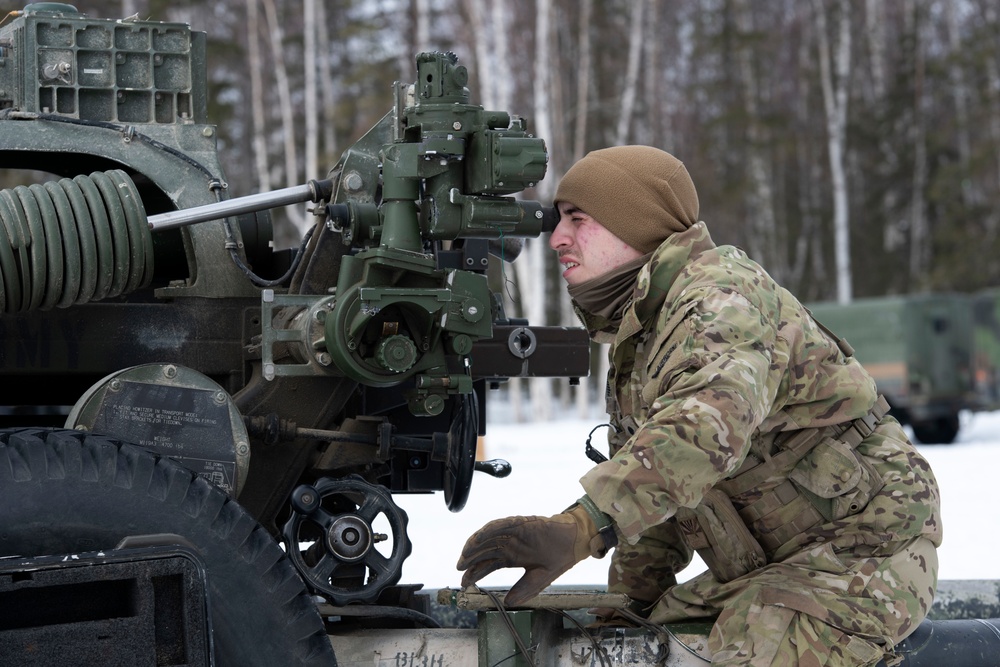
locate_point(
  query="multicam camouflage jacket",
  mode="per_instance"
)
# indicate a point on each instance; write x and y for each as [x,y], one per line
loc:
[712,362]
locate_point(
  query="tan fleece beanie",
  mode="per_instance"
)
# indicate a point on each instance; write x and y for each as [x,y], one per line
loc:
[640,194]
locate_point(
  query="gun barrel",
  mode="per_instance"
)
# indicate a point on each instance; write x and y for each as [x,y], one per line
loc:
[311,191]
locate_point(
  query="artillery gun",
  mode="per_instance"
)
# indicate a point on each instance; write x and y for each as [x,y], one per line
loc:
[193,381]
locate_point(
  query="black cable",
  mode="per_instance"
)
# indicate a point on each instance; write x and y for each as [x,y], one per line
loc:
[589,450]
[129,132]
[661,632]
[248,272]
[233,247]
[510,628]
[599,651]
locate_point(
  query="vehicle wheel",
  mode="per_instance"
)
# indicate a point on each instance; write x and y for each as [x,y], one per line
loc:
[66,491]
[941,430]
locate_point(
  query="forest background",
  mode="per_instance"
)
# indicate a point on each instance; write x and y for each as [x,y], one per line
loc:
[850,146]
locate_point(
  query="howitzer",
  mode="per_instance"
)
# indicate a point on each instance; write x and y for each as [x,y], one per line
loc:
[310,386]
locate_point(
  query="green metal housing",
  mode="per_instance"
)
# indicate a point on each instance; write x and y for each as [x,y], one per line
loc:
[986,348]
[368,353]
[919,349]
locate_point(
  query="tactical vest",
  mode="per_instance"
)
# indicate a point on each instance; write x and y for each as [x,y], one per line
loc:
[813,476]
[785,487]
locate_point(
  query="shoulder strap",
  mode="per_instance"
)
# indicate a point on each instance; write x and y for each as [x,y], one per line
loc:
[842,343]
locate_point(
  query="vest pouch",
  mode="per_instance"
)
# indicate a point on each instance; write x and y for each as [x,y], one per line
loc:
[715,530]
[836,479]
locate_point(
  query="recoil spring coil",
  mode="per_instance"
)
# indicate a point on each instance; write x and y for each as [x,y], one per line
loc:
[72,241]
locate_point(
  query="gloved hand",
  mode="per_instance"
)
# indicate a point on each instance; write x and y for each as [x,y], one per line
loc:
[544,546]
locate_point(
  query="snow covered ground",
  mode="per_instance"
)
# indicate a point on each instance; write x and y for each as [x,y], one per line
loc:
[548,460]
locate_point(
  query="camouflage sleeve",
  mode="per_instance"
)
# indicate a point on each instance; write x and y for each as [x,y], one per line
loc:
[711,383]
[646,569]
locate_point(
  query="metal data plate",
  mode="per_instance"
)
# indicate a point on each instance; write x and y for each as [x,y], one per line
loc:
[174,411]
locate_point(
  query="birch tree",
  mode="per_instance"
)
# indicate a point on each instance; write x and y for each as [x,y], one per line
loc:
[584,74]
[835,66]
[326,85]
[284,91]
[653,75]
[504,83]
[629,92]
[960,95]
[259,120]
[310,26]
[919,232]
[129,8]
[893,235]
[992,95]
[530,265]
[763,237]
[581,117]
[808,242]
[423,31]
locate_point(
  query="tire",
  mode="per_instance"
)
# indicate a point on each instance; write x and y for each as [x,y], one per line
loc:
[67,491]
[937,431]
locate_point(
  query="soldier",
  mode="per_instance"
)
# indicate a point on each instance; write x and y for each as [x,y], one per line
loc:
[742,429]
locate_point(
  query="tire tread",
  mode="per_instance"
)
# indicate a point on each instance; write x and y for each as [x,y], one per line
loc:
[31,456]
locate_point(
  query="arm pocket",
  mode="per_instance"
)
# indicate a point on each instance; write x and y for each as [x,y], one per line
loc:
[836,479]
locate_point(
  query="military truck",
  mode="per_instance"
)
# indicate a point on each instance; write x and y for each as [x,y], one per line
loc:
[986,347]
[202,436]
[919,348]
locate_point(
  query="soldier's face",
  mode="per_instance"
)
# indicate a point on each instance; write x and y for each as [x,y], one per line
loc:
[585,247]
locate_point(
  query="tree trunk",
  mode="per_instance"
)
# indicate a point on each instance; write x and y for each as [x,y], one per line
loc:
[631,72]
[327,89]
[834,81]
[763,237]
[310,26]
[423,32]
[257,99]
[583,78]
[295,214]
[919,233]
[875,32]
[992,94]
[960,95]
[504,83]
[807,241]
[530,264]
[482,43]
[650,132]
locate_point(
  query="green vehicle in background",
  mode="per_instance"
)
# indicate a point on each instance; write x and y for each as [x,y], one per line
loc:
[986,347]
[932,355]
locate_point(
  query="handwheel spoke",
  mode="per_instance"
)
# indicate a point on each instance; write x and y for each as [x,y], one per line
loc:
[322,518]
[370,508]
[324,569]
[379,565]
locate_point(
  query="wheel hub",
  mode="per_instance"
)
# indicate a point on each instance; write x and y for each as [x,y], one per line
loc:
[349,538]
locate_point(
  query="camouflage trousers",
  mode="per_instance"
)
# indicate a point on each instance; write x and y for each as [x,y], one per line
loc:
[815,609]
